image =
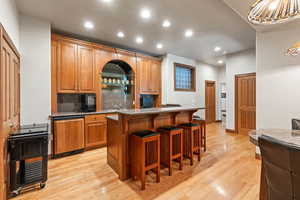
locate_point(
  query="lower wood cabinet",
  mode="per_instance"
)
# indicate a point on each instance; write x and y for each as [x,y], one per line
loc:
[95,134]
[68,135]
[79,133]
[95,130]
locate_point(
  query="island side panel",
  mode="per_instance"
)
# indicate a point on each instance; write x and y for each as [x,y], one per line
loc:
[114,144]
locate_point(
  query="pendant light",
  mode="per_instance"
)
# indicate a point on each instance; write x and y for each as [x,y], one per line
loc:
[294,50]
[274,11]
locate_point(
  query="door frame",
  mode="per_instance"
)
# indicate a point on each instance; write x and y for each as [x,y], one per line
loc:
[236,97]
[206,82]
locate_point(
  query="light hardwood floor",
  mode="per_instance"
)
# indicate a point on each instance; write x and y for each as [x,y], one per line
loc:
[228,170]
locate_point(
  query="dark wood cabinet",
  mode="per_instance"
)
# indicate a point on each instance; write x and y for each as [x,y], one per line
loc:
[95,131]
[68,135]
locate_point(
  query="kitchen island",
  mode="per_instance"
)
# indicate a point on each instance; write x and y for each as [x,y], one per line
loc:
[120,126]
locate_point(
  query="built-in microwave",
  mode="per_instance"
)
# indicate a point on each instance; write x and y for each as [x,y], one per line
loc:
[88,102]
[147,101]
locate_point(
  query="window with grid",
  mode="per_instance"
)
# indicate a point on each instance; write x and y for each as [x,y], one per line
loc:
[184,77]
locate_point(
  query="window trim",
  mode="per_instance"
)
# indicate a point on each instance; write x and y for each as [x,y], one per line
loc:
[193,78]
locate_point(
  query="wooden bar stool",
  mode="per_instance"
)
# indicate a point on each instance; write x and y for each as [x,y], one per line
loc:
[145,154]
[191,140]
[171,146]
[202,124]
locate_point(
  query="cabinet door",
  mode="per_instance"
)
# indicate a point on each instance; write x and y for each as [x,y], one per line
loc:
[67,68]
[16,91]
[155,77]
[144,65]
[86,69]
[68,135]
[95,134]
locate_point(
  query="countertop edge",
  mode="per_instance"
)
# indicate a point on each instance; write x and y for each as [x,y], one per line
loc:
[133,112]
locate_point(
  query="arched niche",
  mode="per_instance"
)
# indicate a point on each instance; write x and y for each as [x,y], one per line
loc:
[118,84]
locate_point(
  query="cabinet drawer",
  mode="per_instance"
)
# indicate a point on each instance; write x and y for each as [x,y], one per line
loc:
[95,118]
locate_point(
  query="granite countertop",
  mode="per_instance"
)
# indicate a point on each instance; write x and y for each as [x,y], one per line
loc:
[126,111]
[113,117]
[66,114]
[157,110]
[291,137]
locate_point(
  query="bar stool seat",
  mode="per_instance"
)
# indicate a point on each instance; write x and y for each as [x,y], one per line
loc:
[191,140]
[171,146]
[145,133]
[145,154]
[189,125]
[169,128]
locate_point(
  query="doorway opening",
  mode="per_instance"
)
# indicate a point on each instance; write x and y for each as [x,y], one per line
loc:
[210,101]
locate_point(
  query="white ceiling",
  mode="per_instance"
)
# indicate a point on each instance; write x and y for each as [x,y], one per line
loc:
[242,7]
[214,24]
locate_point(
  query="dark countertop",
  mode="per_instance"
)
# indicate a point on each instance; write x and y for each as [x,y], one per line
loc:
[157,110]
[125,111]
[70,114]
[291,137]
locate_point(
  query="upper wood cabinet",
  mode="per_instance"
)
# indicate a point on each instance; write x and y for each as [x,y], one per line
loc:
[75,68]
[67,67]
[86,69]
[150,73]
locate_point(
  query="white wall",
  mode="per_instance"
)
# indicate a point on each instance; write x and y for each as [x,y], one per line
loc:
[10,20]
[35,48]
[237,63]
[203,72]
[278,79]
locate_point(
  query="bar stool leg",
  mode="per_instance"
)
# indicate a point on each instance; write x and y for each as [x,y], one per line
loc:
[181,150]
[200,145]
[204,134]
[170,154]
[191,147]
[158,161]
[143,167]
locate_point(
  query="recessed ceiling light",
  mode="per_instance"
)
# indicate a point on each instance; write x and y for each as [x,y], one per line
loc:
[139,40]
[220,61]
[217,49]
[88,25]
[188,33]
[159,46]
[106,1]
[166,23]
[145,13]
[121,34]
